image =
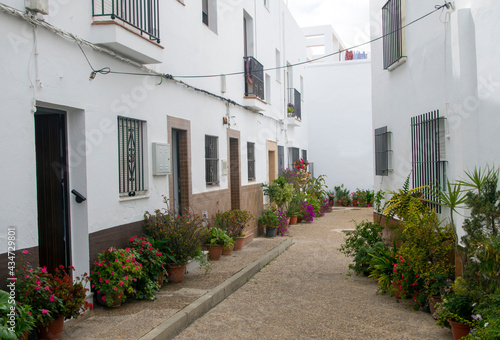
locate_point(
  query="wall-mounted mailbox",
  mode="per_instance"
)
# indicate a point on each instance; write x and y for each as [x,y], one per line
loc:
[161,159]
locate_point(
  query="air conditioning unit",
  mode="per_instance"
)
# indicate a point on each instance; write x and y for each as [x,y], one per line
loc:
[39,6]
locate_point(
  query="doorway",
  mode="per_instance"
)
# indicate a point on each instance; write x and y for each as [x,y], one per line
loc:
[234,172]
[52,188]
[180,175]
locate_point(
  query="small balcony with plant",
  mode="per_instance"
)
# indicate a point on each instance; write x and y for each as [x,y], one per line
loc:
[254,84]
[293,108]
[131,28]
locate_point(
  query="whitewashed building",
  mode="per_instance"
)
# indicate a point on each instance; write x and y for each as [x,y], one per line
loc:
[435,87]
[102,115]
[338,93]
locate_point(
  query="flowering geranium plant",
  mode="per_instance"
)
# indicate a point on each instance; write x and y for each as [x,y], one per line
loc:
[152,259]
[232,221]
[300,164]
[52,295]
[407,282]
[114,273]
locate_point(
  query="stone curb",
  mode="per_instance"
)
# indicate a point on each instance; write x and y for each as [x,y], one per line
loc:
[174,325]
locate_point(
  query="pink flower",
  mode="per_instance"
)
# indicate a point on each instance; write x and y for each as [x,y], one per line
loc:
[37,287]
[126,277]
[44,270]
[52,298]
[121,283]
[115,289]
[25,252]
[47,288]
[103,298]
[44,311]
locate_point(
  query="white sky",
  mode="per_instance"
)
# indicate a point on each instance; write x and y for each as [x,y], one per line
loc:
[349,18]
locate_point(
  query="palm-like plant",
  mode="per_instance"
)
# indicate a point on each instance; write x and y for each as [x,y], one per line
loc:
[401,200]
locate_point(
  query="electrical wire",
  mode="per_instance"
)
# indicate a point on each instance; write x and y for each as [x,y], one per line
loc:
[436,8]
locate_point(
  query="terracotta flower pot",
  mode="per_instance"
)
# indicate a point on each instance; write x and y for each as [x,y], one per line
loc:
[25,336]
[176,273]
[240,241]
[293,219]
[228,250]
[53,331]
[214,252]
[459,330]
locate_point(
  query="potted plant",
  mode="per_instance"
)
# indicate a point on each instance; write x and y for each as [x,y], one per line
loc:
[307,211]
[331,197]
[234,223]
[279,191]
[16,319]
[179,237]
[215,240]
[293,210]
[269,220]
[456,310]
[53,297]
[282,226]
[153,267]
[114,274]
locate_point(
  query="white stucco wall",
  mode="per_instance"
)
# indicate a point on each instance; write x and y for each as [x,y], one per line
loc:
[54,73]
[340,130]
[451,66]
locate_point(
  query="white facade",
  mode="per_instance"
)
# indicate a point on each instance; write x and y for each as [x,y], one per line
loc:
[451,66]
[339,105]
[41,69]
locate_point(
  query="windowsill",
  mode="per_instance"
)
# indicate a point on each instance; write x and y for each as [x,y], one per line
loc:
[134,198]
[396,64]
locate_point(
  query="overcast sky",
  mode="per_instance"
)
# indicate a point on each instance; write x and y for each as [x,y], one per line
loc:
[349,18]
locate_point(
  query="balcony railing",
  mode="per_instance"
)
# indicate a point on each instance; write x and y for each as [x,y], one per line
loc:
[294,104]
[142,15]
[254,78]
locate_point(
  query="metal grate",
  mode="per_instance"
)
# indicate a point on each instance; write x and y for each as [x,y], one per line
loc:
[294,154]
[382,151]
[392,14]
[428,164]
[281,159]
[131,155]
[211,160]
[251,161]
[204,6]
[294,107]
[141,14]
[254,78]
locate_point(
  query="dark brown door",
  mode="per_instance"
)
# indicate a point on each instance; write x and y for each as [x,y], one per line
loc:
[52,188]
[234,172]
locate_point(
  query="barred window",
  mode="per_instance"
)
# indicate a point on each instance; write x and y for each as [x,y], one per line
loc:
[393,20]
[281,159]
[251,161]
[428,153]
[211,160]
[131,155]
[383,153]
[304,155]
[293,155]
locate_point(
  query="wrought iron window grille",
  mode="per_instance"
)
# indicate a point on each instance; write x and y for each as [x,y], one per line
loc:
[131,162]
[254,78]
[211,160]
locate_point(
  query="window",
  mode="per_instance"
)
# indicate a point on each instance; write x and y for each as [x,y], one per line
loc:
[278,66]
[393,20]
[281,159]
[383,151]
[293,154]
[209,13]
[211,160]
[204,10]
[131,156]
[428,152]
[251,161]
[304,155]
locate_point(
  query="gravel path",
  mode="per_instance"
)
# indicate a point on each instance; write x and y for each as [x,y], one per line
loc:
[306,293]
